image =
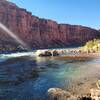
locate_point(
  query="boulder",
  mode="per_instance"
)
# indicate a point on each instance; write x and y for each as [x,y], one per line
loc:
[55,53]
[45,54]
[59,94]
[95,94]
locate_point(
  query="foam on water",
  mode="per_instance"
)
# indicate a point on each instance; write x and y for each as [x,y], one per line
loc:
[14,55]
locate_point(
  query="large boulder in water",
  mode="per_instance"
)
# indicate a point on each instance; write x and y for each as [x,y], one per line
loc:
[55,53]
[45,54]
[59,94]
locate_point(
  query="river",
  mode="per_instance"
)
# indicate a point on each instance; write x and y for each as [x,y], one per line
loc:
[24,76]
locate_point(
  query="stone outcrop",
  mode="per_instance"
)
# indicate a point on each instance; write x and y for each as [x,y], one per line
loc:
[59,94]
[41,33]
[45,54]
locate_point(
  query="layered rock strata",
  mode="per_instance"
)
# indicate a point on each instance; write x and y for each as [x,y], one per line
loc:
[41,33]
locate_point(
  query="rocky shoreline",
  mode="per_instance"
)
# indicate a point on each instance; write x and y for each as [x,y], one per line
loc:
[87,90]
[80,89]
[60,94]
[72,53]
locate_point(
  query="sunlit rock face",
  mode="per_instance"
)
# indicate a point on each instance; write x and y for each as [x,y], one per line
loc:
[42,33]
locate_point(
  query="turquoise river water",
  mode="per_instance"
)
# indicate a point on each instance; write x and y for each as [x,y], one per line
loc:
[26,77]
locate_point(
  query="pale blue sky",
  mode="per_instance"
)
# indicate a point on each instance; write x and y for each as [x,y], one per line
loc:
[82,12]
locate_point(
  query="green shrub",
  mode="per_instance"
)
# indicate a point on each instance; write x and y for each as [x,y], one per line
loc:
[92,45]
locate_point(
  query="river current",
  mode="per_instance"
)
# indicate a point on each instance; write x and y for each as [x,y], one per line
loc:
[26,77]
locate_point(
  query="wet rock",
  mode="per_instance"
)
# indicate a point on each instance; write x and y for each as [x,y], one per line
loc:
[55,53]
[45,54]
[59,94]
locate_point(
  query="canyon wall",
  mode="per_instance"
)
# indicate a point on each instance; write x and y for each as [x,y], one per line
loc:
[41,33]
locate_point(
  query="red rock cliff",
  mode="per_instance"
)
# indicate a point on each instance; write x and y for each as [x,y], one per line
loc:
[41,33]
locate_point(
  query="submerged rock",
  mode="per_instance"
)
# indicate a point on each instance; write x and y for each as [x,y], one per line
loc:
[59,94]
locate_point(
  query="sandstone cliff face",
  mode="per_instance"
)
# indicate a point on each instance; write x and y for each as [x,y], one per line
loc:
[41,33]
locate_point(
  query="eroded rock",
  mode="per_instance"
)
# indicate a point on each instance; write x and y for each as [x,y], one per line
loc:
[59,94]
[55,53]
[95,94]
[45,54]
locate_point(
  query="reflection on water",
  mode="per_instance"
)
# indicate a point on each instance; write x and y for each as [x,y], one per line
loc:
[28,78]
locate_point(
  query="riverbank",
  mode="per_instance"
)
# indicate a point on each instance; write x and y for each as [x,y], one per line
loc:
[80,91]
[76,53]
[79,56]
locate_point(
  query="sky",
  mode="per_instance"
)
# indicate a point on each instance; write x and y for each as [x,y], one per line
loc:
[77,12]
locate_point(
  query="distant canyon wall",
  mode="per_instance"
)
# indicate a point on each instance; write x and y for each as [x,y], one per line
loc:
[41,33]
